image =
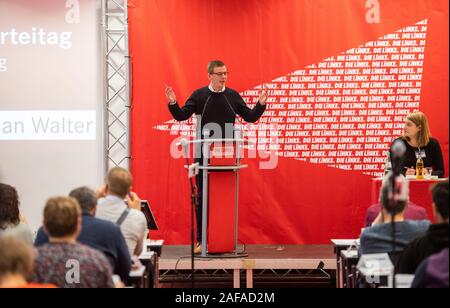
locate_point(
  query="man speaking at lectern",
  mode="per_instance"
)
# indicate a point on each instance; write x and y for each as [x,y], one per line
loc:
[218,107]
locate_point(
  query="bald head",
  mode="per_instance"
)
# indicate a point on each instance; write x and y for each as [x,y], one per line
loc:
[119,182]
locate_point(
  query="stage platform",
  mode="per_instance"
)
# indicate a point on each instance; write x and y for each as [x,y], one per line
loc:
[265,266]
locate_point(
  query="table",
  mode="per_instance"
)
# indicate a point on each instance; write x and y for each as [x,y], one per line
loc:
[149,260]
[350,259]
[338,246]
[136,278]
[154,245]
[145,276]
[419,192]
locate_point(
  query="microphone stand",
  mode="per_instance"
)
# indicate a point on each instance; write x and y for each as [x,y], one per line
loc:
[393,211]
[194,201]
[398,149]
[393,248]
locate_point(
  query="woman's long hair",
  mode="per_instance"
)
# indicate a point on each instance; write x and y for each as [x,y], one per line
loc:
[424,134]
[9,206]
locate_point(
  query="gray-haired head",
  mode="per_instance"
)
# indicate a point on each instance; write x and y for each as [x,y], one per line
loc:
[86,198]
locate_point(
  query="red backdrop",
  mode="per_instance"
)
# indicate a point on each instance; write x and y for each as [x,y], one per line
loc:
[171,42]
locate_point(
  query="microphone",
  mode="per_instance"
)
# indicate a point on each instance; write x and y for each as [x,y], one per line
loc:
[184,143]
[398,150]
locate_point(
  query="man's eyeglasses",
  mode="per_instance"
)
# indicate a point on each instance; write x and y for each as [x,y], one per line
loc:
[220,74]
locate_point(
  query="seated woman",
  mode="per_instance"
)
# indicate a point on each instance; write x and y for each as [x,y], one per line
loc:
[11,222]
[418,141]
[16,263]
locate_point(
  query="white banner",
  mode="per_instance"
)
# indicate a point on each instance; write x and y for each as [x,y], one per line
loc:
[48,125]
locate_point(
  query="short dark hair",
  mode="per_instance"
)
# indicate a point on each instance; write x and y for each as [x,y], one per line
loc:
[16,256]
[439,193]
[385,198]
[61,215]
[86,198]
[213,64]
[119,181]
[9,206]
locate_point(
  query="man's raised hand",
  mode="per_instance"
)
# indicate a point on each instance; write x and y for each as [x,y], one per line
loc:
[133,201]
[263,96]
[170,95]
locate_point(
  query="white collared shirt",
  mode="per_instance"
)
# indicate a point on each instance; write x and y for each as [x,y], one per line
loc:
[212,89]
[134,227]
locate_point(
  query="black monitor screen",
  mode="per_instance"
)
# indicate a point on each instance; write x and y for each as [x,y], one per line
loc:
[151,222]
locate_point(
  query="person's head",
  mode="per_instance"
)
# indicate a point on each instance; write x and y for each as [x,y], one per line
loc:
[416,127]
[217,74]
[394,200]
[439,193]
[9,206]
[16,258]
[62,218]
[86,199]
[118,182]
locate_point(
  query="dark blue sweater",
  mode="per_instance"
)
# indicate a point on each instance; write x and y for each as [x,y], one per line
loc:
[218,108]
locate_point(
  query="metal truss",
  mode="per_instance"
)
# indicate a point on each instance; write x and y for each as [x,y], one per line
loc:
[117,83]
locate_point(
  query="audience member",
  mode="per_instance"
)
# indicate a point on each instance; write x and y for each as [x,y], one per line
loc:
[16,263]
[127,216]
[412,212]
[11,222]
[64,262]
[99,234]
[379,237]
[435,239]
[432,272]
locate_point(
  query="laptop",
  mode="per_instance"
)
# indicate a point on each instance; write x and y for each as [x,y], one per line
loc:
[151,221]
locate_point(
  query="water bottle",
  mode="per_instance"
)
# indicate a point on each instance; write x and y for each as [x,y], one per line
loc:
[419,168]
